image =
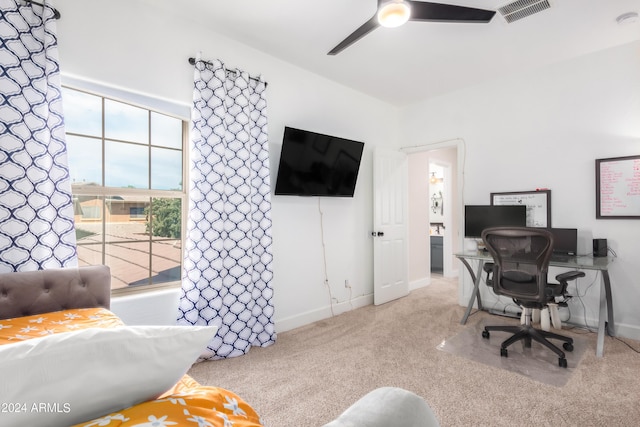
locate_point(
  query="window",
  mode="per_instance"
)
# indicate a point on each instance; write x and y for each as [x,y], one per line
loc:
[137,212]
[126,164]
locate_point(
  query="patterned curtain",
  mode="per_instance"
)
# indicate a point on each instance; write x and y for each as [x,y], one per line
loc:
[228,253]
[36,208]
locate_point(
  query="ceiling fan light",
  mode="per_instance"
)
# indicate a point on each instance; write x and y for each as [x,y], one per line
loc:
[394,13]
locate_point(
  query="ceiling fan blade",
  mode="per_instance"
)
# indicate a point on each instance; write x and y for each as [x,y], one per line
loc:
[438,12]
[364,29]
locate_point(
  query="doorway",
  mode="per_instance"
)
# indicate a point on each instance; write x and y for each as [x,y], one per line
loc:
[446,161]
[437,194]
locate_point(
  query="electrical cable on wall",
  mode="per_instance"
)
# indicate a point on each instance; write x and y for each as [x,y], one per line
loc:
[324,258]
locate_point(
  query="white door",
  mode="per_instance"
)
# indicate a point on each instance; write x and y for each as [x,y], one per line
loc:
[390,265]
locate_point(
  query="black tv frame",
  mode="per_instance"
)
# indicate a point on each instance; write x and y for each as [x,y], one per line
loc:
[315,164]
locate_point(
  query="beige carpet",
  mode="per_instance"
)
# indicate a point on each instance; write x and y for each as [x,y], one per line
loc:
[315,372]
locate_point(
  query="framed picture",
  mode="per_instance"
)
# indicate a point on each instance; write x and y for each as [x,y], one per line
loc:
[538,203]
[618,188]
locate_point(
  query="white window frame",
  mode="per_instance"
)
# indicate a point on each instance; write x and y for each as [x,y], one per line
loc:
[163,106]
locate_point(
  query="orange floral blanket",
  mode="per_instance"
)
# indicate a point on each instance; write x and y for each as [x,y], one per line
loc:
[186,404]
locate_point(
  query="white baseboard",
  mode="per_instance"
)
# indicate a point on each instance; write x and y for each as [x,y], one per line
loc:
[302,319]
[161,308]
[620,330]
[627,331]
[420,283]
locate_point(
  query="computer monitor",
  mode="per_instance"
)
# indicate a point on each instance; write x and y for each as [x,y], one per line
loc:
[479,217]
[565,241]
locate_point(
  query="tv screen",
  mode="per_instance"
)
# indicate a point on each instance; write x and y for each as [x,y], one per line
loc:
[479,217]
[313,164]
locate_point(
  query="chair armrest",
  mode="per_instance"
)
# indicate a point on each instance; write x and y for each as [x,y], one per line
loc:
[488,268]
[569,275]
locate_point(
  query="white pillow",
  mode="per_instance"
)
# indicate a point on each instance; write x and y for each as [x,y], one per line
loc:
[68,378]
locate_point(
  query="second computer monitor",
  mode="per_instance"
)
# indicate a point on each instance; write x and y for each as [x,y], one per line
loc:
[565,241]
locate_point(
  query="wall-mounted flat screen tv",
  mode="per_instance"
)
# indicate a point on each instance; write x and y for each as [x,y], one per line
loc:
[313,164]
[479,217]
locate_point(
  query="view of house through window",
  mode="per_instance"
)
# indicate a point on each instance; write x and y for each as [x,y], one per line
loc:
[126,166]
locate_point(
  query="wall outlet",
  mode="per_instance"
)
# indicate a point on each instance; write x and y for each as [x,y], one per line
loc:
[346,284]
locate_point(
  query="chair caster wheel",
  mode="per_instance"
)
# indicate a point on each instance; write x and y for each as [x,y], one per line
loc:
[562,362]
[505,353]
[567,346]
[485,334]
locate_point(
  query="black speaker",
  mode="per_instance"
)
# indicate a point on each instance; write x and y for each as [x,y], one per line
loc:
[599,247]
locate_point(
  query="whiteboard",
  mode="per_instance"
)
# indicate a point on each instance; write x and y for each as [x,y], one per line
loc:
[618,187]
[538,205]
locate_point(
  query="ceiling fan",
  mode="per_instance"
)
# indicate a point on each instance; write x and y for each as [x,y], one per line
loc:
[394,13]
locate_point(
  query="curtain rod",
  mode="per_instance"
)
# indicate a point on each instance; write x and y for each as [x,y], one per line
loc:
[192,61]
[56,14]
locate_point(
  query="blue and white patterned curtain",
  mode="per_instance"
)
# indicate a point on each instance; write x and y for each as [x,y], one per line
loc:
[36,208]
[228,254]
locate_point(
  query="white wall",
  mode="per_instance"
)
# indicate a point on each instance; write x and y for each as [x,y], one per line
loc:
[545,128]
[418,225]
[122,44]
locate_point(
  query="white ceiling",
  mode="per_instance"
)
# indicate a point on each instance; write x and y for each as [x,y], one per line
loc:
[420,59]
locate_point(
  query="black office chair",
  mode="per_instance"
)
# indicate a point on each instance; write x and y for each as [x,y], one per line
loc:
[521,262]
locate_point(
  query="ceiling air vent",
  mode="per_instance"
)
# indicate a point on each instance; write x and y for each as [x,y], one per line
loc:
[522,8]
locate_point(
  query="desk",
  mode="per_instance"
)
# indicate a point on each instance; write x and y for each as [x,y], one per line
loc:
[605,320]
